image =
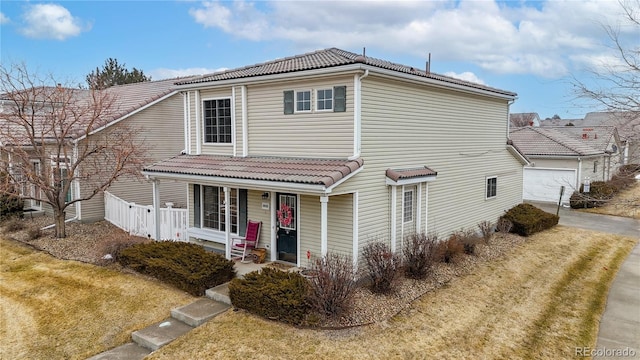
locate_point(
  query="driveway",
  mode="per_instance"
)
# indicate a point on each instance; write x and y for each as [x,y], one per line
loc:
[619,333]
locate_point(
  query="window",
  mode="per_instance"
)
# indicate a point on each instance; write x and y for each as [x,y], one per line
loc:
[407,206]
[325,100]
[303,101]
[209,208]
[492,187]
[217,121]
[595,166]
[35,189]
[64,180]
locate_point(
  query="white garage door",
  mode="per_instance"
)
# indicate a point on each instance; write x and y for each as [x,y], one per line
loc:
[544,184]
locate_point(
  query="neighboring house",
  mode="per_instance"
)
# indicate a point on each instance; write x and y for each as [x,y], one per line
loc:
[628,126]
[565,156]
[331,150]
[154,108]
[524,119]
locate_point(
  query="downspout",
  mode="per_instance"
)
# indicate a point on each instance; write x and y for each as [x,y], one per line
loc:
[357,114]
[579,179]
[76,183]
[509,103]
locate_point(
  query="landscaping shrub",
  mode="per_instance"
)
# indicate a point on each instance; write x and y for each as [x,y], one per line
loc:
[383,267]
[486,229]
[332,285]
[111,247]
[273,294]
[504,226]
[188,267]
[528,219]
[10,201]
[598,195]
[420,253]
[34,233]
[14,224]
[468,238]
[450,249]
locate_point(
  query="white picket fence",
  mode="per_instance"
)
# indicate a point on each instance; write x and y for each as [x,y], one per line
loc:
[140,220]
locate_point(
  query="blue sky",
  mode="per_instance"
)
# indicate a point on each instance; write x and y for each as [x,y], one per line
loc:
[530,47]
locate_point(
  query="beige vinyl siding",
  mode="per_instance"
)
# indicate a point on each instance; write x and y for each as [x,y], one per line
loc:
[309,231]
[256,213]
[238,120]
[315,134]
[340,224]
[461,136]
[192,121]
[162,128]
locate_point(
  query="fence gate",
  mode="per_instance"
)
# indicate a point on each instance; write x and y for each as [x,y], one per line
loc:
[139,220]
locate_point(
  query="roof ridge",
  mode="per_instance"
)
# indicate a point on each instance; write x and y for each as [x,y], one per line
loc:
[567,141]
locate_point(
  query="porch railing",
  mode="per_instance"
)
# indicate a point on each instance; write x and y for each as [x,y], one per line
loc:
[140,220]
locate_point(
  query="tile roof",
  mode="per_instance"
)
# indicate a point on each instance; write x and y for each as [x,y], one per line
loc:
[401,174]
[327,58]
[598,137]
[324,172]
[534,141]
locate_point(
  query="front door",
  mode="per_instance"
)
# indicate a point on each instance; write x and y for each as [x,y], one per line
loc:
[287,234]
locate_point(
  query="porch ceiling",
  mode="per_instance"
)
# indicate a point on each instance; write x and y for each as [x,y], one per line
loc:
[320,172]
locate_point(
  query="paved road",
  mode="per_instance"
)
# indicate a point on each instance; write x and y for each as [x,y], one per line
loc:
[619,333]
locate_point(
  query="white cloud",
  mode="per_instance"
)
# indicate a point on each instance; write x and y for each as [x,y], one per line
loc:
[50,21]
[164,73]
[466,76]
[3,19]
[503,38]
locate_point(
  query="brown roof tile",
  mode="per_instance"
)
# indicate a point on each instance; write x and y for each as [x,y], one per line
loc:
[324,172]
[400,174]
[329,58]
[542,141]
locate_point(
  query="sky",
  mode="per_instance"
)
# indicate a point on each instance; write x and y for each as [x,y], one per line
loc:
[533,48]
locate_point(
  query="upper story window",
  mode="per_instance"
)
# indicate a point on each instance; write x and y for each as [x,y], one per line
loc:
[303,101]
[217,121]
[335,99]
[325,100]
[492,187]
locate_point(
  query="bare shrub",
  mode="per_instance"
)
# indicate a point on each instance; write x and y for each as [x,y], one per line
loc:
[504,225]
[14,224]
[34,233]
[333,285]
[487,230]
[468,238]
[450,249]
[111,247]
[383,266]
[420,253]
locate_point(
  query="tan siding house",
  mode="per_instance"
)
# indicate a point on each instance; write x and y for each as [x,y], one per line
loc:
[331,150]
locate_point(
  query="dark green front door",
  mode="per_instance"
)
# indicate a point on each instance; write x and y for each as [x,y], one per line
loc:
[287,234]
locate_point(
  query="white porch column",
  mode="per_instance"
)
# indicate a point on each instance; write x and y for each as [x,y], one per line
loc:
[227,221]
[426,208]
[324,199]
[355,231]
[156,207]
[393,217]
[274,234]
[419,209]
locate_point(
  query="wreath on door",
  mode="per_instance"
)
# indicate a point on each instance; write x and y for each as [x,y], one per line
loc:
[284,215]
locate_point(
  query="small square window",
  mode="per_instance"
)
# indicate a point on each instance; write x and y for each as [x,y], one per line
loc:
[325,99]
[303,101]
[492,187]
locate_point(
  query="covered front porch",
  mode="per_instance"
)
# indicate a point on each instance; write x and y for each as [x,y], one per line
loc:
[302,215]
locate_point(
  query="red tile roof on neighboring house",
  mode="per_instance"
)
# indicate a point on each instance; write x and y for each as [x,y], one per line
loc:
[324,172]
[401,174]
[327,58]
[536,141]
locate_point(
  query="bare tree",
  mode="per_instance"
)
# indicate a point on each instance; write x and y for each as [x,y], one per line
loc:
[55,138]
[522,119]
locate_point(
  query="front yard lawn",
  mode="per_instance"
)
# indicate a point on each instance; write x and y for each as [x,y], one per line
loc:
[62,309]
[544,299]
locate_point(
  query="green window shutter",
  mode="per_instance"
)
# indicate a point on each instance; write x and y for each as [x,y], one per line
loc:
[288,102]
[196,205]
[339,98]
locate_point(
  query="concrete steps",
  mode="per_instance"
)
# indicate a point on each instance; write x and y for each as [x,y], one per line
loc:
[219,293]
[199,312]
[160,334]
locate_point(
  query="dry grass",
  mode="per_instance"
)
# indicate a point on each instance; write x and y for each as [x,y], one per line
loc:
[541,301]
[61,309]
[626,203]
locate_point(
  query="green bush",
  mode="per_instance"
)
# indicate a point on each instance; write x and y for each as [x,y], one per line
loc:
[273,294]
[186,266]
[598,195]
[528,219]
